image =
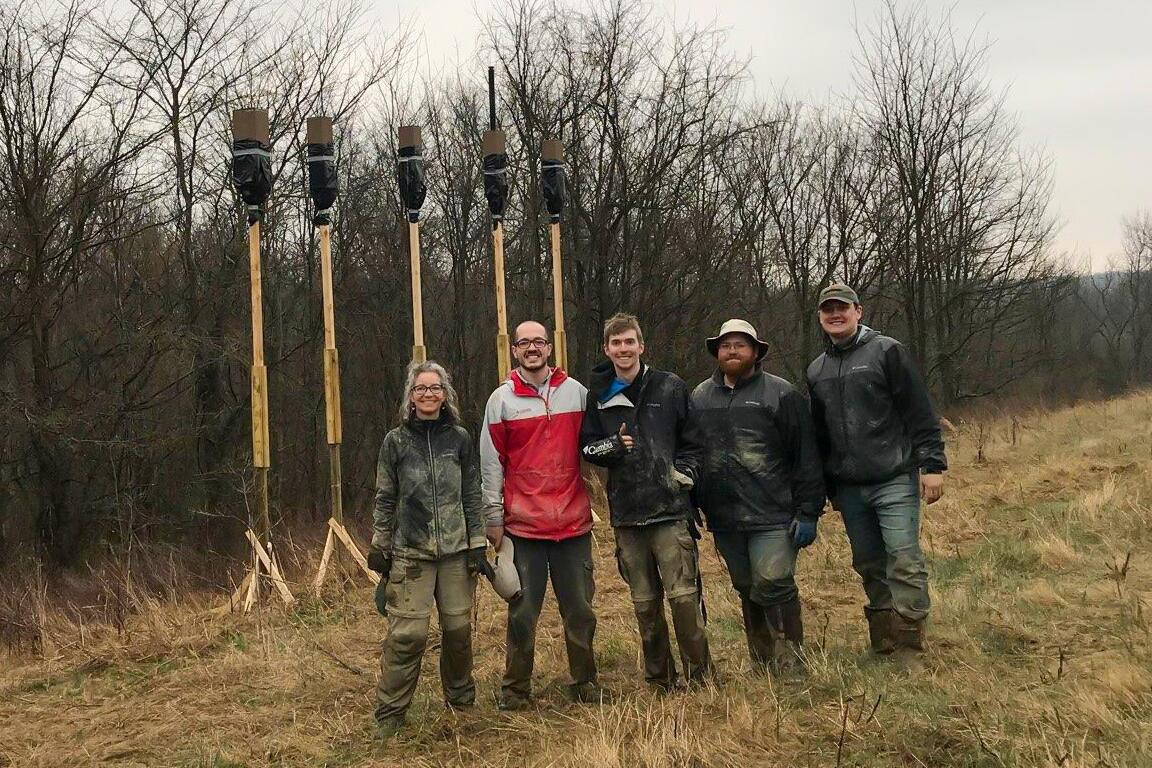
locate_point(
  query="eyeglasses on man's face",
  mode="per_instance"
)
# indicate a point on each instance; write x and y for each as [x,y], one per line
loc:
[536,343]
[428,389]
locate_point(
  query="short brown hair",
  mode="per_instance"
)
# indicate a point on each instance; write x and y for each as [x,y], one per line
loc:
[622,323]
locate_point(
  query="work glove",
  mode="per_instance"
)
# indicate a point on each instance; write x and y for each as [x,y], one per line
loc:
[802,531]
[613,447]
[381,596]
[478,564]
[379,562]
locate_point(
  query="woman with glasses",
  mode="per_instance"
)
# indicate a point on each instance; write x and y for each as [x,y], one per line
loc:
[428,544]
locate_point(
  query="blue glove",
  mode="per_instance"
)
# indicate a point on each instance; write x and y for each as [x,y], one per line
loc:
[802,531]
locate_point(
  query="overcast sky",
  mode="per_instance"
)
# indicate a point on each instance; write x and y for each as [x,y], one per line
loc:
[1078,77]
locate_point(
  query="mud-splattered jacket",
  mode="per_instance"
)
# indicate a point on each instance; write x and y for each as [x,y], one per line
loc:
[760,467]
[427,492]
[642,488]
[874,418]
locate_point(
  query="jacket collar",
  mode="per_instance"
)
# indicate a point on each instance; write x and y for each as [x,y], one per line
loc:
[756,375]
[864,334]
[605,373]
[523,388]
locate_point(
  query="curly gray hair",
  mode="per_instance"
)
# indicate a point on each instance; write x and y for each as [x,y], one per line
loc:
[451,401]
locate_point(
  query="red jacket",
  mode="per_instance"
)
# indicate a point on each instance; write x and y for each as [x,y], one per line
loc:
[530,458]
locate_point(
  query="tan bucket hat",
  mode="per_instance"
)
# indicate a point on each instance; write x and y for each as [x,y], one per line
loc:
[737,326]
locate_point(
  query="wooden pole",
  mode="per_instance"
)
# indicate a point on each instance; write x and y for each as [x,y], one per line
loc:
[261,458]
[251,125]
[494,143]
[419,351]
[503,349]
[411,146]
[332,421]
[560,340]
[553,150]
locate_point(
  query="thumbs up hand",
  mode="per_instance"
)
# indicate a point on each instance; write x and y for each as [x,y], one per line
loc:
[625,438]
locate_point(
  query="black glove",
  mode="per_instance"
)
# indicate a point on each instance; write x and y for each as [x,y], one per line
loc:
[478,564]
[381,597]
[379,562]
[608,448]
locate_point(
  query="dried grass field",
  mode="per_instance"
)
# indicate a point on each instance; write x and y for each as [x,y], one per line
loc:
[1040,655]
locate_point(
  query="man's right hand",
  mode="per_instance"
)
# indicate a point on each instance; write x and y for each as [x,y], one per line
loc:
[626,438]
[495,535]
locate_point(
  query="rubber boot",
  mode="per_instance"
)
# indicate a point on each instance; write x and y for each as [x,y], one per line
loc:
[880,630]
[787,626]
[760,643]
[908,635]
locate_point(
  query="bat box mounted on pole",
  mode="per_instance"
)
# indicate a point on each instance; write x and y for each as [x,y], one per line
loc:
[410,170]
[322,184]
[495,173]
[251,159]
[553,183]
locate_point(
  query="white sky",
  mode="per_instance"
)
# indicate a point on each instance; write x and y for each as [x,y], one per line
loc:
[1078,77]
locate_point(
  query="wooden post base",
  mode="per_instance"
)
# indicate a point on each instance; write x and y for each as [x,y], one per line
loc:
[337,532]
[264,564]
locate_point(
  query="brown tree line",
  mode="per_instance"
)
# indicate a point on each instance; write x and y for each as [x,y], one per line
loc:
[123,289]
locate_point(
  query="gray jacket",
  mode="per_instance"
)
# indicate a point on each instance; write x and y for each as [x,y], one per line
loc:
[427,492]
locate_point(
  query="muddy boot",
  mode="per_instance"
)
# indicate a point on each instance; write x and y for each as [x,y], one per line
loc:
[787,629]
[908,635]
[880,630]
[759,637]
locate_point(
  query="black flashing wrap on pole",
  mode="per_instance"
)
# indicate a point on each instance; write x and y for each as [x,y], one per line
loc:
[410,171]
[252,160]
[495,166]
[323,185]
[553,182]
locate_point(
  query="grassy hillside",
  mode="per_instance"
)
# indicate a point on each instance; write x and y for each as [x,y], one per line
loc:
[1040,651]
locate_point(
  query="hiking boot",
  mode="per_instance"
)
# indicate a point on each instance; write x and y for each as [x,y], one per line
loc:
[389,727]
[589,693]
[880,630]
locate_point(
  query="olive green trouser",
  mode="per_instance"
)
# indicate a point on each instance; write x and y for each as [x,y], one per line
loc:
[658,561]
[413,585]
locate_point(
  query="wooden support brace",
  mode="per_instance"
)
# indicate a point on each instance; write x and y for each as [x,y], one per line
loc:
[337,532]
[269,563]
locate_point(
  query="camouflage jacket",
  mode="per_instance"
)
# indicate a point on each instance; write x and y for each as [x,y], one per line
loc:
[427,492]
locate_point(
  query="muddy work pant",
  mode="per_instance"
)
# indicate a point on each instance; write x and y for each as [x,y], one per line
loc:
[762,566]
[883,526]
[569,564]
[413,586]
[658,561]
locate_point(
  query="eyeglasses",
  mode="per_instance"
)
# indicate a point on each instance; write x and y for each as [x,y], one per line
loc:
[735,345]
[428,389]
[534,343]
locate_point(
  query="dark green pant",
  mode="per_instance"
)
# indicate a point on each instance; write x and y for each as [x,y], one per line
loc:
[569,563]
[658,561]
[413,586]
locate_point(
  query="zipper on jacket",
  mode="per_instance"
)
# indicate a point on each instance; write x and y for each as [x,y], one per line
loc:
[435,501]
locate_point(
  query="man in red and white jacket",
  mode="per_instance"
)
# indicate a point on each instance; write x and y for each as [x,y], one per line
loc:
[534,494]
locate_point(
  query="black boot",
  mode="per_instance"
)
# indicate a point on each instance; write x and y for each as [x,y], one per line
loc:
[784,620]
[880,633]
[760,644]
[907,633]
